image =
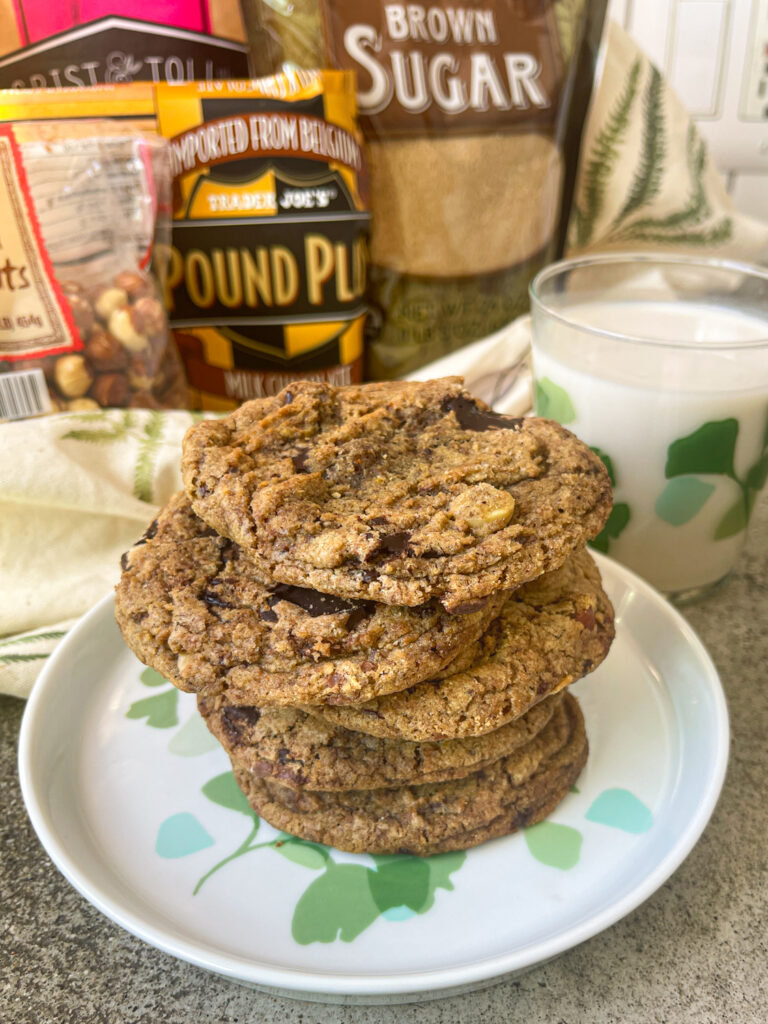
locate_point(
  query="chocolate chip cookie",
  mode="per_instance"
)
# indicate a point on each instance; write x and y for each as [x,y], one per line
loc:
[191,606]
[550,633]
[514,791]
[303,752]
[396,492]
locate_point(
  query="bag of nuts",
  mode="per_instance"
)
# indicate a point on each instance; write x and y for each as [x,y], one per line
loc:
[85,209]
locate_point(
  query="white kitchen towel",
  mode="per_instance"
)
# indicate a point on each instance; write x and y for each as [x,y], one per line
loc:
[76,491]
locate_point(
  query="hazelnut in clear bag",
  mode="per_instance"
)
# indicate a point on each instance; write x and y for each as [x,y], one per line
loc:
[85,326]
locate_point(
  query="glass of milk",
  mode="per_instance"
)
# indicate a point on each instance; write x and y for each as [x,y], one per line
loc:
[660,363]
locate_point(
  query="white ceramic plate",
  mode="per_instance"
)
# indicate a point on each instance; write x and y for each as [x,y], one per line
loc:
[134,802]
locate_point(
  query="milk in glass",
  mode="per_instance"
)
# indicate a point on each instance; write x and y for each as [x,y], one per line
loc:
[680,418]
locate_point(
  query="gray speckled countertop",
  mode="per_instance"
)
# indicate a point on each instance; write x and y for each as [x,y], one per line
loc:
[694,953]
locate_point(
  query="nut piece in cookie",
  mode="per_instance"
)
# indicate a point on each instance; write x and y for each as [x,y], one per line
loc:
[395,492]
[192,605]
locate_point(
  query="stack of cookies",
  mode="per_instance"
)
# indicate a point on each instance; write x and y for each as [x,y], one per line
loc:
[379,594]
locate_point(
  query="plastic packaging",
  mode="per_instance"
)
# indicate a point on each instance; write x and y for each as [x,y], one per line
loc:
[267,273]
[472,117]
[85,209]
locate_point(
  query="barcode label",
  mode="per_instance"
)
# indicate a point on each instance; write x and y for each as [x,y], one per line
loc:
[23,394]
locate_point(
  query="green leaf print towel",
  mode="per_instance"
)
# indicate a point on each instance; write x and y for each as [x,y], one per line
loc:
[76,491]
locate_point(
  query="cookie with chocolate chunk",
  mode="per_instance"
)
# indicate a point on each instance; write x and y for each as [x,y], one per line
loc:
[517,790]
[192,606]
[550,633]
[398,492]
[305,752]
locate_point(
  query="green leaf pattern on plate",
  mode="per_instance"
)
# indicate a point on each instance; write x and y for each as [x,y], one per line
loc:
[621,809]
[151,678]
[192,739]
[181,835]
[309,855]
[557,846]
[160,711]
[343,899]
[337,905]
[223,790]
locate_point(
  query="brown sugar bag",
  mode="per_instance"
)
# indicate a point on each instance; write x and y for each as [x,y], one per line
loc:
[443,207]
[472,116]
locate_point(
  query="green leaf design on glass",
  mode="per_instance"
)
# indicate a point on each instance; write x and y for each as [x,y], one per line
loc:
[160,711]
[553,402]
[607,461]
[151,678]
[617,522]
[758,474]
[557,846]
[682,499]
[709,449]
[223,790]
[309,855]
[620,514]
[734,521]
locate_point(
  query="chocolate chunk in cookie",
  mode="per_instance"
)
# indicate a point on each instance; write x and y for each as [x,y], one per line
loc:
[395,492]
[192,606]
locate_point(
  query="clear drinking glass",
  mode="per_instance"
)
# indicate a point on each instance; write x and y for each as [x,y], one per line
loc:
[660,363]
